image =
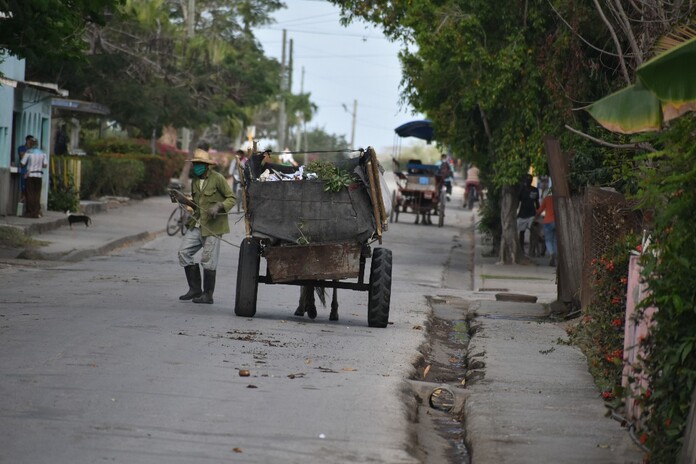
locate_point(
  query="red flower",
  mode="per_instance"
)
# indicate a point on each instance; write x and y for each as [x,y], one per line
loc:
[624,280]
[616,300]
[639,248]
[617,322]
[618,353]
[610,266]
[643,438]
[648,394]
[607,395]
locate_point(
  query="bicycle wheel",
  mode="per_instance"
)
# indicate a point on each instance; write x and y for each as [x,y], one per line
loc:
[174,222]
[185,215]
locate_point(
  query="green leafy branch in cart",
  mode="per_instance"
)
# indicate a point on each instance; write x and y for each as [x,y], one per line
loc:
[335,178]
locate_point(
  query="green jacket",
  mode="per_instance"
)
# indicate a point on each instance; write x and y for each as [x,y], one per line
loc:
[215,190]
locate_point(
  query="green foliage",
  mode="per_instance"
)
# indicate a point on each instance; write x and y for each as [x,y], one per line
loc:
[336,179]
[63,196]
[49,29]
[669,189]
[159,169]
[600,332]
[146,68]
[13,237]
[116,145]
[110,175]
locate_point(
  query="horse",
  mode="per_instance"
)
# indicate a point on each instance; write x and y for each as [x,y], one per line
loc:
[308,306]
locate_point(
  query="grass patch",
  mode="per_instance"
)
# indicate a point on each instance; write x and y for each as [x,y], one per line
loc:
[507,277]
[12,237]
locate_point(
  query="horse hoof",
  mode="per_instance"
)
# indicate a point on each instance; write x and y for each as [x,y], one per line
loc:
[333,316]
[312,313]
[299,312]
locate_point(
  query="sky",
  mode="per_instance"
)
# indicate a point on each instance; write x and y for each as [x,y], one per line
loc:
[342,65]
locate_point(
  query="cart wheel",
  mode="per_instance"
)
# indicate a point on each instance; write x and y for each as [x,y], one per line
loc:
[247,278]
[441,211]
[379,293]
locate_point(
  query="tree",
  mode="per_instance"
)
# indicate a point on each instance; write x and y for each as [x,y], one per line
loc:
[50,29]
[144,66]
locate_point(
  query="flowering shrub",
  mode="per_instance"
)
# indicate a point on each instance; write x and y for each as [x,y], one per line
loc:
[669,187]
[600,332]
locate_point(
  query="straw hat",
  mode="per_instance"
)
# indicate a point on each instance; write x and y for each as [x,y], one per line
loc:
[201,156]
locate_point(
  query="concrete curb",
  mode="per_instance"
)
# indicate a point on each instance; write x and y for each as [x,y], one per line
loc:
[80,254]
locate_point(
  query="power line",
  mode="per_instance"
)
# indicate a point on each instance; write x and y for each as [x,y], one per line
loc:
[300,31]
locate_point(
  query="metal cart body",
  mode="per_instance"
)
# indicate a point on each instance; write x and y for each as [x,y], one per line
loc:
[313,237]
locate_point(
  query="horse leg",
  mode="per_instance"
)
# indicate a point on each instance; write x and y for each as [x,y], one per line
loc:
[333,316]
[306,304]
[300,311]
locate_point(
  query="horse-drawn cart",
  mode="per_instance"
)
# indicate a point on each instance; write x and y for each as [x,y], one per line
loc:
[419,191]
[313,237]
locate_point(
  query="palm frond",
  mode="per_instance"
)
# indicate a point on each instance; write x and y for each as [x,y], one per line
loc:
[675,38]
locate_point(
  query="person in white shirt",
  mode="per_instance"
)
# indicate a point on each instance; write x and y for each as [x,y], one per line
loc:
[35,162]
[287,159]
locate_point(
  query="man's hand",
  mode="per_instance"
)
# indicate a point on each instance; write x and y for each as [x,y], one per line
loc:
[178,196]
[214,210]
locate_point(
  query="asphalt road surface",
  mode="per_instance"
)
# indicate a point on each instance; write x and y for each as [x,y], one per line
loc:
[100,361]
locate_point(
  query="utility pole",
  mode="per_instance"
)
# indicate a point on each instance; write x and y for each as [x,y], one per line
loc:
[354,115]
[352,131]
[190,31]
[300,124]
[289,89]
[185,131]
[281,107]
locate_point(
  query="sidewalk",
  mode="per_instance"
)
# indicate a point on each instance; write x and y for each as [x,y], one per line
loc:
[115,223]
[535,400]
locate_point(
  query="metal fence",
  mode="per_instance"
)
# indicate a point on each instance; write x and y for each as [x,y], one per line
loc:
[608,217]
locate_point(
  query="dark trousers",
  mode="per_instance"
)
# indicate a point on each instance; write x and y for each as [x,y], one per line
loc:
[33,201]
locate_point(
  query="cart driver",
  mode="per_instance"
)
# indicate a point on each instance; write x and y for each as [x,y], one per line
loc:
[212,198]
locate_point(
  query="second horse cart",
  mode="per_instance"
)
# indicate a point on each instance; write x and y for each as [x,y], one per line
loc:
[419,191]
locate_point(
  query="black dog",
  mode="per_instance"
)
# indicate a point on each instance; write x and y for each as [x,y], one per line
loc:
[72,218]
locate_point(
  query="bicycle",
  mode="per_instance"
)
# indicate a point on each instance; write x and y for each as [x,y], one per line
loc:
[177,220]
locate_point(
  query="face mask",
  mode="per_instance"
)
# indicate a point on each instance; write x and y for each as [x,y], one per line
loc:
[199,169]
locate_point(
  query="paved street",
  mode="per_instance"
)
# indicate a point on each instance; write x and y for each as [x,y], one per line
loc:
[102,362]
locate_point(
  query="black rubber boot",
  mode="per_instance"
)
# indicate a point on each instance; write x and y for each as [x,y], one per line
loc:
[208,288]
[193,277]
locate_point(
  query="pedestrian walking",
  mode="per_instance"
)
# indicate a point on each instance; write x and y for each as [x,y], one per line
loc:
[549,222]
[529,204]
[211,199]
[35,161]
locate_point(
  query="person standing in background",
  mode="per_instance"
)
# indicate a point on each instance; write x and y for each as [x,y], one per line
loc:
[529,203]
[62,140]
[21,153]
[446,171]
[35,162]
[549,222]
[287,159]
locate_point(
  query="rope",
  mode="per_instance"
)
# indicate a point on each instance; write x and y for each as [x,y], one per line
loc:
[302,152]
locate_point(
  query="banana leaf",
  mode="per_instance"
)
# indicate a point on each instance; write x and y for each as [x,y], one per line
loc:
[665,89]
[630,110]
[672,76]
